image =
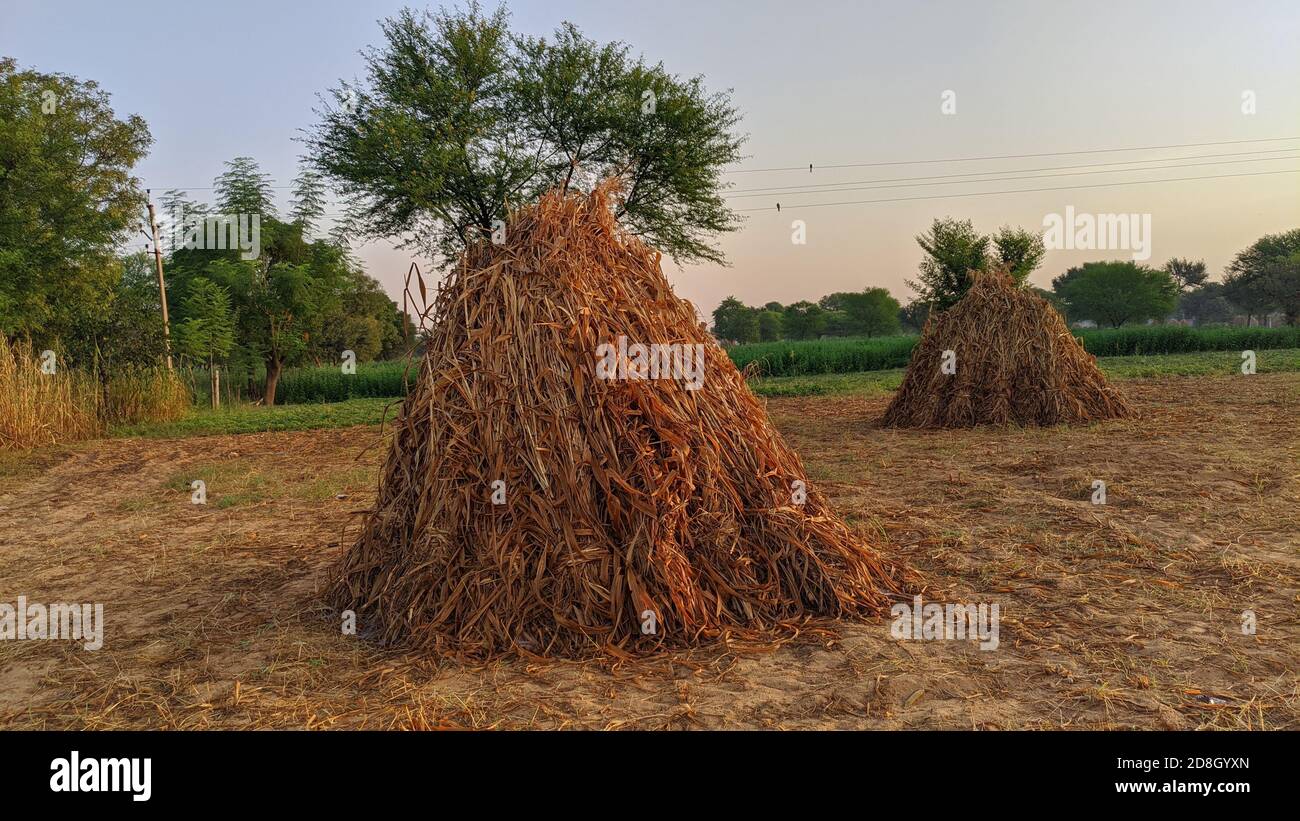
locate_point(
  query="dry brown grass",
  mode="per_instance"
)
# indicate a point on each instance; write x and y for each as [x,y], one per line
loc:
[134,395]
[39,409]
[1116,616]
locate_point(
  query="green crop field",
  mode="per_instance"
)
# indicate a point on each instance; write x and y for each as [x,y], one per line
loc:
[329,384]
[1203,363]
[850,355]
[371,410]
[814,357]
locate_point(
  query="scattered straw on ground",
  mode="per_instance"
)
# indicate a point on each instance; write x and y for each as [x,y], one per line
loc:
[1117,616]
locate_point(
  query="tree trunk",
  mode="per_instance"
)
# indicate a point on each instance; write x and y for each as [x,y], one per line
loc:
[272,379]
[216,385]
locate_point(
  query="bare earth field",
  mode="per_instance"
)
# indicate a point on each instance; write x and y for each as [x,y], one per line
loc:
[1127,615]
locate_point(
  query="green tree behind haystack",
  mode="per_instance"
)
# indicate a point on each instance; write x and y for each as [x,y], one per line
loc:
[734,321]
[460,119]
[1266,276]
[804,320]
[298,294]
[870,312]
[1188,274]
[1196,295]
[771,325]
[954,249]
[1116,292]
[278,296]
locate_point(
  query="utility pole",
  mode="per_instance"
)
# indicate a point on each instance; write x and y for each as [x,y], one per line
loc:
[162,285]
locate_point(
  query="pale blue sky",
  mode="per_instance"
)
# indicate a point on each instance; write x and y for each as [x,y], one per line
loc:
[820,82]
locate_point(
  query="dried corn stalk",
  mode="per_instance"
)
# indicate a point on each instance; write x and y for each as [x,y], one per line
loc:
[1010,359]
[636,514]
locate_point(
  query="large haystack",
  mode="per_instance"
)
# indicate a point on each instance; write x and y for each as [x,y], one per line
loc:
[1013,360]
[634,514]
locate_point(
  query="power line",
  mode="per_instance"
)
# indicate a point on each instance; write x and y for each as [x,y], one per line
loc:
[834,187]
[1028,190]
[1011,156]
[166,188]
[916,162]
[829,186]
[1009,179]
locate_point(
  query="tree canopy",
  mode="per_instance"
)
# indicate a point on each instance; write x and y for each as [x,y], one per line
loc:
[459,119]
[732,320]
[954,248]
[1266,275]
[299,298]
[1186,273]
[68,199]
[1112,293]
[870,312]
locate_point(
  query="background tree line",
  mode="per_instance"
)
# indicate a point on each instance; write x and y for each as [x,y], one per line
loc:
[69,205]
[872,312]
[1262,279]
[457,120]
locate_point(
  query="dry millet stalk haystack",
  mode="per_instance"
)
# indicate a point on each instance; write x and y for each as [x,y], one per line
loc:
[1016,362]
[621,497]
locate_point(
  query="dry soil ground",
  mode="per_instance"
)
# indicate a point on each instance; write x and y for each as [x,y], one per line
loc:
[1115,616]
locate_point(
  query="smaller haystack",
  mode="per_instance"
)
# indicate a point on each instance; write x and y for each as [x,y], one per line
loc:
[1012,360]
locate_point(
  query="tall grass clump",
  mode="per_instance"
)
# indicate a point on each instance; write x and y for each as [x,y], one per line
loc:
[134,395]
[328,383]
[38,408]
